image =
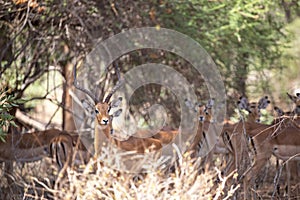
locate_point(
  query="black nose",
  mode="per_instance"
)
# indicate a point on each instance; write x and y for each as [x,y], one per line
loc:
[201,118]
[105,121]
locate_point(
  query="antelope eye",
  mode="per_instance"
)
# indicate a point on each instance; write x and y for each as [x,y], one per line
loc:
[96,111]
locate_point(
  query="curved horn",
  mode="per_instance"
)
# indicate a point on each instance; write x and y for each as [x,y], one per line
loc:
[290,96]
[119,84]
[117,71]
[81,88]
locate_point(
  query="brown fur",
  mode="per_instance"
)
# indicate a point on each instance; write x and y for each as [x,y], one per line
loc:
[139,145]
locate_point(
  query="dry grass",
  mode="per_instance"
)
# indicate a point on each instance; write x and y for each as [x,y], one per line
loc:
[23,177]
[104,179]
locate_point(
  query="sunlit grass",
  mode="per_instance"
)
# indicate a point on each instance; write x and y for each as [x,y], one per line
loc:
[100,179]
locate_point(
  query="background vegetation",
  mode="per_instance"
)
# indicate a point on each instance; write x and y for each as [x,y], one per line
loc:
[254,43]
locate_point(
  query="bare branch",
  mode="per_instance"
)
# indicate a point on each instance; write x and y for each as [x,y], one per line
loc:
[81,88]
[30,121]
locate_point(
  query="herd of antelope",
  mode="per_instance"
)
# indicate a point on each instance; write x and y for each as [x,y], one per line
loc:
[248,143]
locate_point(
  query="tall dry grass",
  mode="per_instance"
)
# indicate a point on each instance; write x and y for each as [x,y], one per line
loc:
[106,178]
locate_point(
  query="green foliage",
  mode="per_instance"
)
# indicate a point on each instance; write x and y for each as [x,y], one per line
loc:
[238,115]
[245,38]
[287,79]
[240,35]
[266,117]
[7,102]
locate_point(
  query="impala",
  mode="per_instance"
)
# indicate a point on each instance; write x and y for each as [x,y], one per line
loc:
[27,147]
[296,100]
[166,136]
[200,141]
[294,121]
[204,116]
[30,147]
[139,145]
[280,139]
[234,135]
[61,150]
[280,114]
[104,120]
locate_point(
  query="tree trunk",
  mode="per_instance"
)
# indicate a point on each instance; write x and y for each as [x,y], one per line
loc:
[242,74]
[68,120]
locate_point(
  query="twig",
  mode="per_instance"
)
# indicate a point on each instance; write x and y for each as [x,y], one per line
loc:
[223,184]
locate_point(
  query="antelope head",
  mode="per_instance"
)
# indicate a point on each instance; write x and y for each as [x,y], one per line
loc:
[296,100]
[204,111]
[253,108]
[102,109]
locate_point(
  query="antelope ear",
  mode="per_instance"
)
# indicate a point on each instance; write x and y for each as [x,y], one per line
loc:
[116,102]
[243,103]
[117,113]
[210,103]
[263,103]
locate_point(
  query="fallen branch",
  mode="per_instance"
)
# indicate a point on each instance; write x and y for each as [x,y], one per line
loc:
[30,121]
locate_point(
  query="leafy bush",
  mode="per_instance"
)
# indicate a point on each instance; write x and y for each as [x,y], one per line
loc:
[7,102]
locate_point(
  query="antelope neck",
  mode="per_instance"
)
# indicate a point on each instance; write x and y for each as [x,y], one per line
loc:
[106,129]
